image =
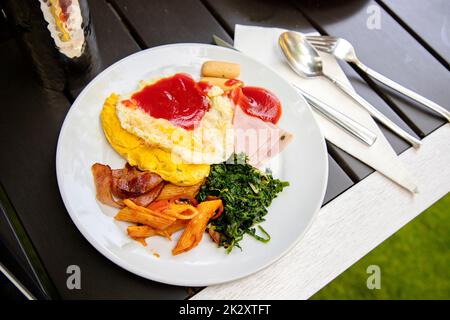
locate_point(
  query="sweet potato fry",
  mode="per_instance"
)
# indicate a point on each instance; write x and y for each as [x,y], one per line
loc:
[130,215]
[171,191]
[159,205]
[146,231]
[181,211]
[176,226]
[130,204]
[196,227]
[141,241]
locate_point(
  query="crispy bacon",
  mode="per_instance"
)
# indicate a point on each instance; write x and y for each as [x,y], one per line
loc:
[131,182]
[127,183]
[147,198]
[103,182]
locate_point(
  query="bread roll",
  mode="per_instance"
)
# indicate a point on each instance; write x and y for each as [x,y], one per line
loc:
[220,69]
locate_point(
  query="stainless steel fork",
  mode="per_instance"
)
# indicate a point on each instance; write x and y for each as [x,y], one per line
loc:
[342,49]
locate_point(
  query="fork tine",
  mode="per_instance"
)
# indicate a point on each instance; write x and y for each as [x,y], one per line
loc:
[323,48]
[322,45]
[324,42]
[322,38]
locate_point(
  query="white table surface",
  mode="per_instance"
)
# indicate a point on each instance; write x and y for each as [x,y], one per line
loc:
[349,227]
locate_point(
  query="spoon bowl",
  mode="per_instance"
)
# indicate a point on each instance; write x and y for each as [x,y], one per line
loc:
[300,55]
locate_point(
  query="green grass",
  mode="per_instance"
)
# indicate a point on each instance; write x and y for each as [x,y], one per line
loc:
[414,262]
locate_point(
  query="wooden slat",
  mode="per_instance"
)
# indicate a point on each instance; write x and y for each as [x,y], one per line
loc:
[161,22]
[114,42]
[8,291]
[113,39]
[283,14]
[5,30]
[13,256]
[390,50]
[338,181]
[264,13]
[427,20]
[28,175]
[9,242]
[354,168]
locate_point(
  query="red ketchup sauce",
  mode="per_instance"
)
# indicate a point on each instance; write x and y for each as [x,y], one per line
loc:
[205,86]
[232,82]
[258,102]
[178,99]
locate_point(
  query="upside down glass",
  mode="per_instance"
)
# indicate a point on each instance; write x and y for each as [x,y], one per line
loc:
[59,39]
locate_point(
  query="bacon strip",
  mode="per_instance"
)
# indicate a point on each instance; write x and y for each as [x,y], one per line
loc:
[103,182]
[127,183]
[147,198]
[130,182]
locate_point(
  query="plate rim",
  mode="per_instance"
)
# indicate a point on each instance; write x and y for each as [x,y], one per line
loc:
[130,267]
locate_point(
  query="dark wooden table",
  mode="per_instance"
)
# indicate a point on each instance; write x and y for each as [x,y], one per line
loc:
[39,240]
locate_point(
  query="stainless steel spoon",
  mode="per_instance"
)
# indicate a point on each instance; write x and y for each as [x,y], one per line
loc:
[306,62]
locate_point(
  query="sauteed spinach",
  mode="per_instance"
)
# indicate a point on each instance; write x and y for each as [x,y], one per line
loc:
[246,192]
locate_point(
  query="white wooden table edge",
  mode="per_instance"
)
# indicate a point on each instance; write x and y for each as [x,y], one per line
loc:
[349,227]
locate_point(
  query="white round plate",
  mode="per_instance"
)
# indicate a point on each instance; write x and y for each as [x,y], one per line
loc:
[304,163]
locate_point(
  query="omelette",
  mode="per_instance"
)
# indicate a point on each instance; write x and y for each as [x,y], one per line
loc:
[138,153]
[192,121]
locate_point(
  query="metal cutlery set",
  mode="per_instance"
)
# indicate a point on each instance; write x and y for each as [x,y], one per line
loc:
[301,53]
[343,50]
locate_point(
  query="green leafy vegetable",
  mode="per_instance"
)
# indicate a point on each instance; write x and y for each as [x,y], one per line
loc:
[246,192]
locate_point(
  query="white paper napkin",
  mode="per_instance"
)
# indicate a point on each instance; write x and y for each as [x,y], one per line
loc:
[262,44]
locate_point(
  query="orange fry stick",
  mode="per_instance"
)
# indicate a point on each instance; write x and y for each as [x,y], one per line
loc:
[170,212]
[181,211]
[196,227]
[171,191]
[130,215]
[176,226]
[141,241]
[159,205]
[143,232]
[130,204]
[146,231]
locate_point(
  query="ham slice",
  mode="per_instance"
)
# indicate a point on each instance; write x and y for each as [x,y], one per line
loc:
[258,139]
